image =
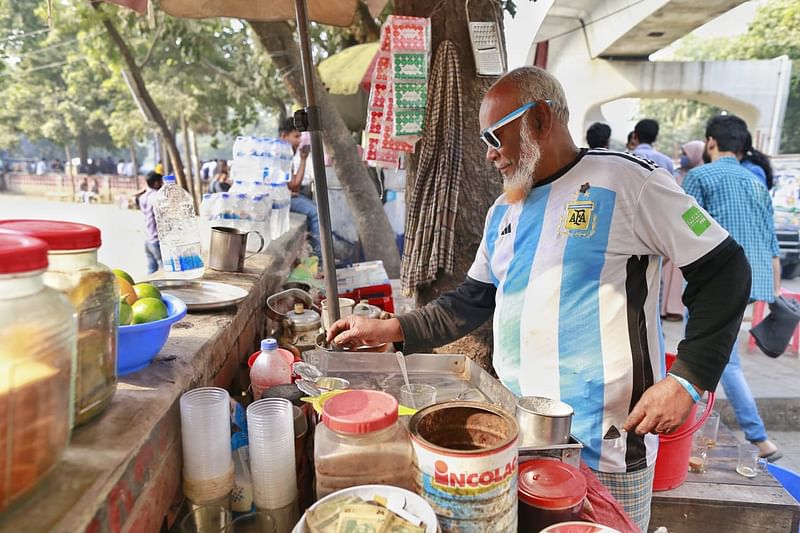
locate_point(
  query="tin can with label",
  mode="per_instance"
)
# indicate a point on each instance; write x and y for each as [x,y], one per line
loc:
[465,465]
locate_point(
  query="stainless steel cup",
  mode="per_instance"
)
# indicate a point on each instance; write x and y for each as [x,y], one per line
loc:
[543,421]
[228,248]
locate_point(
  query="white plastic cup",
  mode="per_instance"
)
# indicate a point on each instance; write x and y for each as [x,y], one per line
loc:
[270,427]
[206,433]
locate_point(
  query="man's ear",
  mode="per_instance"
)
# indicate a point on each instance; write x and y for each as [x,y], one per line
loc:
[711,144]
[541,118]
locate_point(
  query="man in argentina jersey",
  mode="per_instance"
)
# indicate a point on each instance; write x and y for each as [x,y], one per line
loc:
[570,266]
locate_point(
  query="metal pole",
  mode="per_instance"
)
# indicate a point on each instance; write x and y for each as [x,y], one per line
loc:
[318,161]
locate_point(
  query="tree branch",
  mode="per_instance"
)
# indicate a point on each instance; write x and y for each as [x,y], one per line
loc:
[219,70]
[141,94]
[149,54]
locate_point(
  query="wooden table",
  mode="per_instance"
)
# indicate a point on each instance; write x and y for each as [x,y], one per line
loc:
[722,500]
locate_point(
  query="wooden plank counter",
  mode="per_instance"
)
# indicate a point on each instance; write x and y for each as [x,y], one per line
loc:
[722,500]
[122,472]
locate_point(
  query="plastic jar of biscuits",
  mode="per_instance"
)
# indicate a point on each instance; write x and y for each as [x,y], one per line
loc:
[37,354]
[91,287]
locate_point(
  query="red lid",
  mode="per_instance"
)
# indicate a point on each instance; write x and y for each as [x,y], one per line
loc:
[58,235]
[360,411]
[578,527]
[20,253]
[551,484]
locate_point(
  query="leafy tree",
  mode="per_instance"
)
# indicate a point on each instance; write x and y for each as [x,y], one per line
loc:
[774,31]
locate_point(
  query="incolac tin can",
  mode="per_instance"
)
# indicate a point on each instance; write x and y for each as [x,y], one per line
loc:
[465,465]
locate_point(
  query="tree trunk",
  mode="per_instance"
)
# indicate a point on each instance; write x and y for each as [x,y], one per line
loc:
[134,162]
[196,162]
[192,178]
[83,149]
[139,89]
[481,183]
[371,221]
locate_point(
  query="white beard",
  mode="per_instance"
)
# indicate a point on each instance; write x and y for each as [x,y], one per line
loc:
[519,184]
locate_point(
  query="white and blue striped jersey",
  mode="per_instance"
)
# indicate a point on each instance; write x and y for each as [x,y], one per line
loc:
[577,271]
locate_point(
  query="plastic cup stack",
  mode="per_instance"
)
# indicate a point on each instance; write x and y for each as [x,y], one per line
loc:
[206,435]
[270,427]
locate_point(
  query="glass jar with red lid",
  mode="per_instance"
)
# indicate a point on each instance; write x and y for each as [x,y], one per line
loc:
[549,492]
[37,355]
[91,287]
[361,442]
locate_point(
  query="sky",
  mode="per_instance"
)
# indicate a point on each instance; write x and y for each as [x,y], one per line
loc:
[619,113]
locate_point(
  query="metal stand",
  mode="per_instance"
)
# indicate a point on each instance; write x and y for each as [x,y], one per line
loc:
[309,120]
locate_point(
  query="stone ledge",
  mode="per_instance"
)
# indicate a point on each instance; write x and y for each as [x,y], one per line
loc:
[121,472]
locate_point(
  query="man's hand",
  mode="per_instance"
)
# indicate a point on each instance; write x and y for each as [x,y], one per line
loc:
[661,409]
[304,151]
[354,331]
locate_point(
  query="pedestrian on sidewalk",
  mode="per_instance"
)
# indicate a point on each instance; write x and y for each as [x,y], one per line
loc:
[152,249]
[598,135]
[300,203]
[738,200]
[645,134]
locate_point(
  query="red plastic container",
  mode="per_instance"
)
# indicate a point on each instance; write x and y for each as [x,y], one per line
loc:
[550,492]
[285,353]
[674,450]
[377,295]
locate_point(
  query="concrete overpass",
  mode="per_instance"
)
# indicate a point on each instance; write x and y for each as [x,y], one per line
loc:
[604,45]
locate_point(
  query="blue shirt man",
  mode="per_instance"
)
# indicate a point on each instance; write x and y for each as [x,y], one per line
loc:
[738,200]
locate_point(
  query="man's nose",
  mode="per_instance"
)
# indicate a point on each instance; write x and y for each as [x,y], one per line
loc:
[492,154]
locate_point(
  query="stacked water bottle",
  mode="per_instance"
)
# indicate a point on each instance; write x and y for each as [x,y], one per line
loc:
[259,198]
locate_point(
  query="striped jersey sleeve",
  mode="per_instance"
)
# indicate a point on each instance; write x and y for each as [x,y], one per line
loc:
[672,224]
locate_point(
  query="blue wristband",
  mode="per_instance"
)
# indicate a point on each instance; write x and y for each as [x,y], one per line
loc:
[686,385]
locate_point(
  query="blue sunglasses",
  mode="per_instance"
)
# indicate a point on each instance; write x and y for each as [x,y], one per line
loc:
[493,141]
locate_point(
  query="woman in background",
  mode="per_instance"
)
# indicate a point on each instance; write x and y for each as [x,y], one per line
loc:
[672,279]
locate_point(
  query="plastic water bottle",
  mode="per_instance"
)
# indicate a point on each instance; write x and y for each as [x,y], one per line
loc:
[223,208]
[207,207]
[178,234]
[238,187]
[275,222]
[258,223]
[242,213]
[287,203]
[269,369]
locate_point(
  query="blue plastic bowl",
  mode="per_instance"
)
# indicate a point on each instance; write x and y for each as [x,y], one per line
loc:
[140,343]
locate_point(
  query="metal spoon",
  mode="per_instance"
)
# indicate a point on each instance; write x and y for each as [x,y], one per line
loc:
[401,360]
[308,388]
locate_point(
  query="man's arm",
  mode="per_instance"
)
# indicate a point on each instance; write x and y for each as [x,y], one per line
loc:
[716,294]
[452,315]
[449,317]
[297,179]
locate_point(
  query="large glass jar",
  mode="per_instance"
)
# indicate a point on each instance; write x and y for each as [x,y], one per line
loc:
[92,289]
[37,356]
[361,442]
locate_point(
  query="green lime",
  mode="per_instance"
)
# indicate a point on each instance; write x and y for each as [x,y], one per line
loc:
[125,312]
[146,290]
[123,275]
[148,310]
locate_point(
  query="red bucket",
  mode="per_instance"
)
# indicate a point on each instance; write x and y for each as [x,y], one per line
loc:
[675,449]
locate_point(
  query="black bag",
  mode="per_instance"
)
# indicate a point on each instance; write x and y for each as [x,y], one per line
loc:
[774,333]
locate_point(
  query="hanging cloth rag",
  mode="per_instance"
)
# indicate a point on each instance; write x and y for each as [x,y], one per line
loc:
[431,213]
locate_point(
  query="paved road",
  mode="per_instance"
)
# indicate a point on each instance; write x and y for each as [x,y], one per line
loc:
[122,229]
